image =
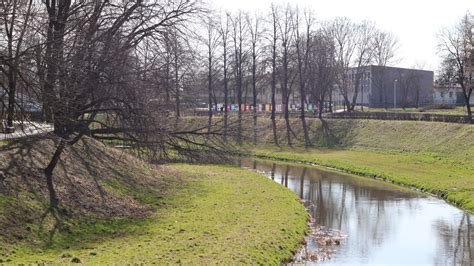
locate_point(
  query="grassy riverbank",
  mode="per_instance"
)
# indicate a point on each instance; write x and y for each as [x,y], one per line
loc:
[455,110]
[191,214]
[428,172]
[434,157]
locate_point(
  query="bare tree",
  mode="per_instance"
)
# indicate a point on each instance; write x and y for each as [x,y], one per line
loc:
[302,43]
[89,67]
[285,25]
[16,17]
[322,68]
[456,47]
[167,64]
[255,31]
[275,14]
[224,33]
[211,43]
[177,54]
[385,45]
[364,54]
[343,31]
[238,33]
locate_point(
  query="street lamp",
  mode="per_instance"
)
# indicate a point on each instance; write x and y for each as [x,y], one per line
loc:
[395,94]
[362,88]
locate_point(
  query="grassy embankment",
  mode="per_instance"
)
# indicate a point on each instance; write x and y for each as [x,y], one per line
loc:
[118,210]
[435,157]
[457,110]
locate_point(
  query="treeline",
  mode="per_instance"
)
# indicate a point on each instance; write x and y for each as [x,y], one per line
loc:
[286,52]
[456,48]
[124,71]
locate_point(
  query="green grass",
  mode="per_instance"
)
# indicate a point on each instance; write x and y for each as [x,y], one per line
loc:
[215,214]
[451,141]
[458,110]
[4,143]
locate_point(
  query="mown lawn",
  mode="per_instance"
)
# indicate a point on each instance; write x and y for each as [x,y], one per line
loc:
[430,172]
[217,214]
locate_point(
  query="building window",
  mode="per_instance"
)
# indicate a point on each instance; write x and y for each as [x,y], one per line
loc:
[442,94]
[450,94]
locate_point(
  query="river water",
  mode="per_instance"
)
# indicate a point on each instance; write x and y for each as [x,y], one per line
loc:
[380,223]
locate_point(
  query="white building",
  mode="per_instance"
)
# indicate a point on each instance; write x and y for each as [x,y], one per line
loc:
[446,95]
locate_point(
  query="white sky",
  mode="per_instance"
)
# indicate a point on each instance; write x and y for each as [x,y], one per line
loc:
[415,22]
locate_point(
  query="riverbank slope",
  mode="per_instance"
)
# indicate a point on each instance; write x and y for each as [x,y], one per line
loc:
[434,157]
[118,209]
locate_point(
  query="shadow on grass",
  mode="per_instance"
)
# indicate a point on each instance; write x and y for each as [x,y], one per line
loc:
[102,192]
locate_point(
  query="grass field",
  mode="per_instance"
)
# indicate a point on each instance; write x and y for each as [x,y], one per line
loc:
[190,214]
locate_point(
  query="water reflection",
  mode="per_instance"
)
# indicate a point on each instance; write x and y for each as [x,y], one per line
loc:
[384,223]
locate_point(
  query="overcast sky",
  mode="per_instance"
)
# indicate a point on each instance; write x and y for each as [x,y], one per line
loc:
[415,22]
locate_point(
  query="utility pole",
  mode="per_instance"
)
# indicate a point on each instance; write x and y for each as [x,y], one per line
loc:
[362,92]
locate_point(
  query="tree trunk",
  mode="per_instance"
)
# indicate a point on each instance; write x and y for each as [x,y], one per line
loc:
[239,94]
[11,83]
[176,77]
[238,72]
[469,112]
[320,109]
[286,95]
[226,91]
[11,105]
[274,127]
[353,104]
[302,102]
[239,127]
[330,102]
[287,123]
[302,65]
[48,172]
[254,92]
[307,142]
[209,81]
[51,69]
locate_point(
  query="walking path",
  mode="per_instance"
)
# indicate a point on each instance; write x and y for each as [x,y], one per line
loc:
[27,129]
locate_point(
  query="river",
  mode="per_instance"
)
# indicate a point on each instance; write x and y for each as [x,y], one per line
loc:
[377,222]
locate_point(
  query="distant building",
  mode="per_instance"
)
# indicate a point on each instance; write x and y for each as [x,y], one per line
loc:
[447,95]
[388,87]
